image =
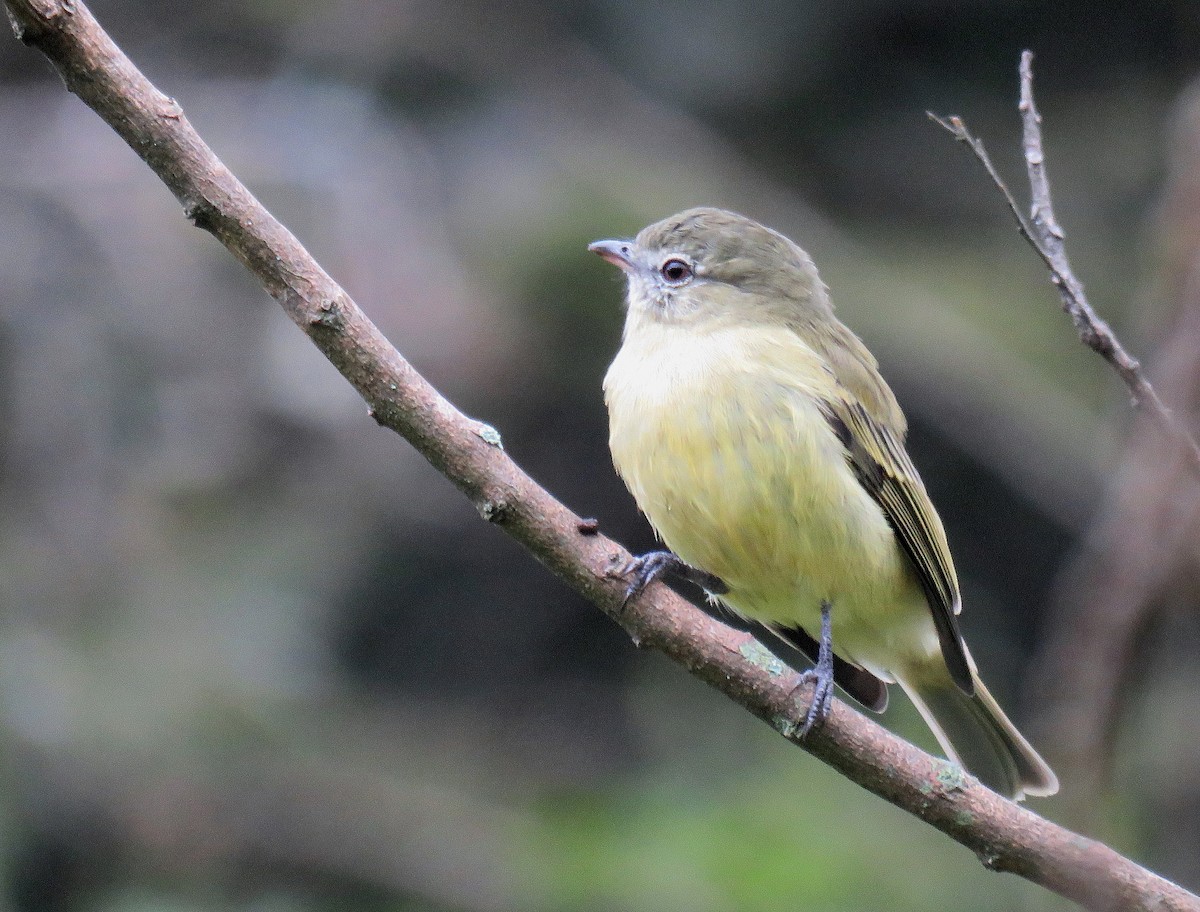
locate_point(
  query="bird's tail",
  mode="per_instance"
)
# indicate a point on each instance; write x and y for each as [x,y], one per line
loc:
[973,730]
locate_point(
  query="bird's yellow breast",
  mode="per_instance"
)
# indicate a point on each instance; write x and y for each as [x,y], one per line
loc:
[719,437]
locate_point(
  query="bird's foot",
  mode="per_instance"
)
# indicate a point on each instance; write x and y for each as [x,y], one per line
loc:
[820,676]
[644,570]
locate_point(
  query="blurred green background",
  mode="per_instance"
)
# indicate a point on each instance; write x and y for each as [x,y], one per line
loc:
[256,655]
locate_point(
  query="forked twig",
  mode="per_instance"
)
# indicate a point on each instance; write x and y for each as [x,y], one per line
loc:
[1044,234]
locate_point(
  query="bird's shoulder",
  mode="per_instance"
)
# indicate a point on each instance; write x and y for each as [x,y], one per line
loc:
[856,375]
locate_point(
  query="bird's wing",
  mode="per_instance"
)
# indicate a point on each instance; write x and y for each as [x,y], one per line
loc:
[885,470]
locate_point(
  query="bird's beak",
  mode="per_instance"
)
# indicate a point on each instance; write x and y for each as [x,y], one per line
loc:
[619,253]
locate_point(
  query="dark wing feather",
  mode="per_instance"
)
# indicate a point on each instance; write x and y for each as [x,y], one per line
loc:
[885,470]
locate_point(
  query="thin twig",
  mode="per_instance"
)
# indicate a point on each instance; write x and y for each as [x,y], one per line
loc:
[1140,551]
[1044,233]
[1004,835]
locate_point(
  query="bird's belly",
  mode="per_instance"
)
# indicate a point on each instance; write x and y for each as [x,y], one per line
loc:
[745,479]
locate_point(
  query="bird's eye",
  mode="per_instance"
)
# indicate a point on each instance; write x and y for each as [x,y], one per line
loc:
[676,271]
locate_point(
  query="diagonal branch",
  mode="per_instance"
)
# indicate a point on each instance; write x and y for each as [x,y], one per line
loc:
[1005,836]
[1047,237]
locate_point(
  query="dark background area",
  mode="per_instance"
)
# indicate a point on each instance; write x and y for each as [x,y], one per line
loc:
[256,655]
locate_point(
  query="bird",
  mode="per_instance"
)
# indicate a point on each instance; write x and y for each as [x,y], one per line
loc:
[757,436]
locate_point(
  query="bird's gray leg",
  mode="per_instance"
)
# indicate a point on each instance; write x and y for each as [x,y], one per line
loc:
[648,567]
[820,676]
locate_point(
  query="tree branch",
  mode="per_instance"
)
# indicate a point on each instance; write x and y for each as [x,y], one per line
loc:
[1047,237]
[1005,836]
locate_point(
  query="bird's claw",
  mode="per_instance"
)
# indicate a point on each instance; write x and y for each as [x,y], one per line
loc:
[822,700]
[821,678]
[645,569]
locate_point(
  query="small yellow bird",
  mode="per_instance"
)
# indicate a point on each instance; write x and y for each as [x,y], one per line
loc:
[757,436]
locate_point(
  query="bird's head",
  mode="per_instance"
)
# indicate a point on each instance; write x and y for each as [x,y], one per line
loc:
[708,263]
